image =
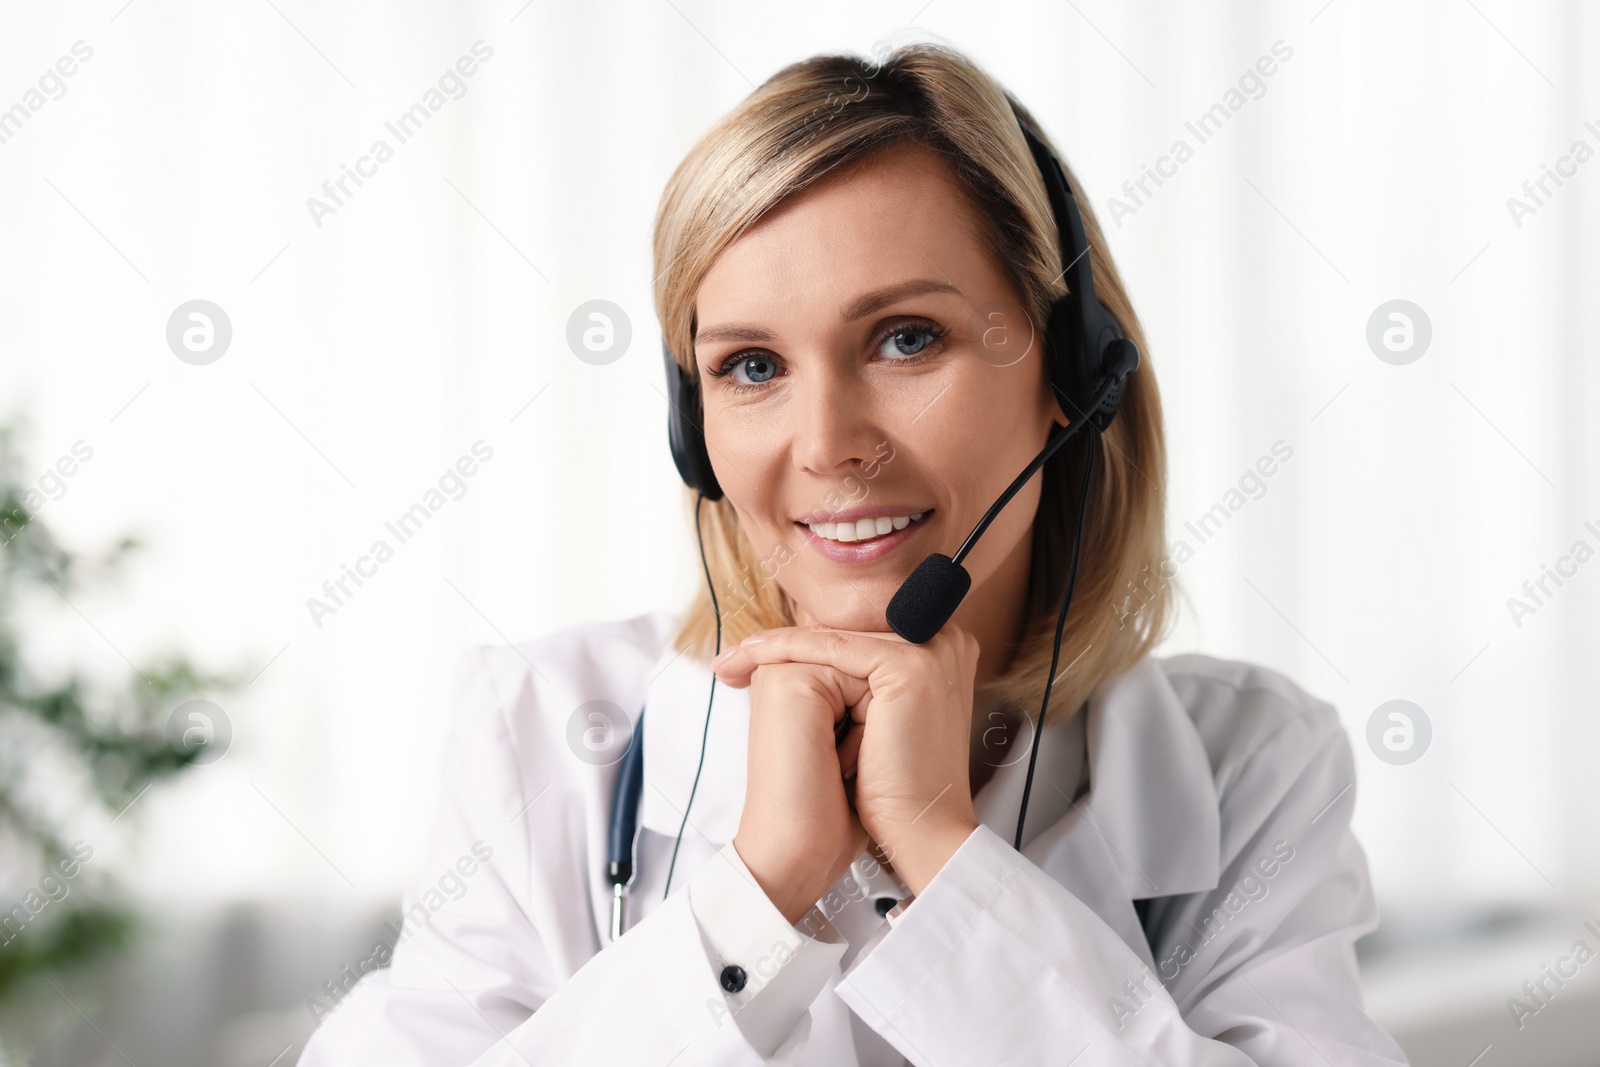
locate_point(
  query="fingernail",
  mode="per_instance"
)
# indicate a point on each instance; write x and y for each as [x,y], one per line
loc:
[722,657]
[753,639]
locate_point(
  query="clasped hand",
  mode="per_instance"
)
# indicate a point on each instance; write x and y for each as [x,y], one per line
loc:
[909,751]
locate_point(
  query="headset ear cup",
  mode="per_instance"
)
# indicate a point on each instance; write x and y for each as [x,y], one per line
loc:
[1121,359]
[1066,372]
[1090,357]
[685,437]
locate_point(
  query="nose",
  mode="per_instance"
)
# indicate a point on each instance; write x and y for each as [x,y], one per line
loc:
[835,425]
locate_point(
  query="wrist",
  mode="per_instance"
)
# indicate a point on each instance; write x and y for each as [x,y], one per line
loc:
[776,888]
[924,856]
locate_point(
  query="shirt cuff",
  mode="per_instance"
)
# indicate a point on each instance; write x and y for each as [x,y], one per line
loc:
[784,966]
[899,909]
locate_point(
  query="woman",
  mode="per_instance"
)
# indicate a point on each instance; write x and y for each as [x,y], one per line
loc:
[856,269]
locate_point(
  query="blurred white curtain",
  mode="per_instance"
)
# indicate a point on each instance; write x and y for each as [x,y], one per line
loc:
[430,310]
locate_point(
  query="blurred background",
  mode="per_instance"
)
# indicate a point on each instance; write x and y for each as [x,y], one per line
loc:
[221,375]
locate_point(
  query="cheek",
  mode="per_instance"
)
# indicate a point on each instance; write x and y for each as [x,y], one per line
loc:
[745,460]
[974,452]
[761,525]
[739,437]
[956,441]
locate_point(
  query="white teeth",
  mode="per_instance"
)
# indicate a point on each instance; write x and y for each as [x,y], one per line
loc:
[863,529]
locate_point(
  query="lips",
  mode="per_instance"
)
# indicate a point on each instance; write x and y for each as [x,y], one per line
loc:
[870,549]
[848,532]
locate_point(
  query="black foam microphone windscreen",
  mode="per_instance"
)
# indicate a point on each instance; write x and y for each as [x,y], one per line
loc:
[927,598]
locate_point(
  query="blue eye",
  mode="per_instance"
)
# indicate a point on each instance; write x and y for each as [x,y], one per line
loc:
[908,340]
[762,369]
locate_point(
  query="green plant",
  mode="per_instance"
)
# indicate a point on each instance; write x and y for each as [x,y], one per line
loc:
[75,750]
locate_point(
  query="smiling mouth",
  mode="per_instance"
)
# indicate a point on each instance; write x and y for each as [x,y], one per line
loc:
[863,530]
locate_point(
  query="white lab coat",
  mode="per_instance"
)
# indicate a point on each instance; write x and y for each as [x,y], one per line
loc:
[1219,788]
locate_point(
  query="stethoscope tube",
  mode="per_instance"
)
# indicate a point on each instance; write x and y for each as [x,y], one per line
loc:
[620,850]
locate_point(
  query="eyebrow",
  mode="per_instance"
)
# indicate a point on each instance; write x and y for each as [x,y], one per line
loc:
[858,308]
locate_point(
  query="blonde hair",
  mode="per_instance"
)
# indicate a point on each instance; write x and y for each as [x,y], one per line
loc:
[825,113]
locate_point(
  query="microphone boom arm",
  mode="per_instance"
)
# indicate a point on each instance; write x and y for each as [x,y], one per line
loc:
[1016,484]
[1110,384]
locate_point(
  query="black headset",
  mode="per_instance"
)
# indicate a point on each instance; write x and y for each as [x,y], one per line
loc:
[1090,358]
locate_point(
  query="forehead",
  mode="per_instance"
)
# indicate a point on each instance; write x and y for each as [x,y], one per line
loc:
[900,213]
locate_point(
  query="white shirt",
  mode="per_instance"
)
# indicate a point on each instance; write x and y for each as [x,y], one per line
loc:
[1219,789]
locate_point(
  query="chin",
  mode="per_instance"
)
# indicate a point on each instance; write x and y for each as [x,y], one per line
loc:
[848,610]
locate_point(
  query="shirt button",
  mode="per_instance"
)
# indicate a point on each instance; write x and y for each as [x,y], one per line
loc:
[733,978]
[883,904]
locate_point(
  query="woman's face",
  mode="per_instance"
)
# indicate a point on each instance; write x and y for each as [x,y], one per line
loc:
[861,355]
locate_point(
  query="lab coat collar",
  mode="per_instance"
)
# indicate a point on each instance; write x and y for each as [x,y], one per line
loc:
[1152,801]
[1150,812]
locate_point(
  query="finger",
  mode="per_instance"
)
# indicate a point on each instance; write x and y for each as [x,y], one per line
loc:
[733,668]
[859,654]
[832,688]
[850,690]
[858,710]
[850,751]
